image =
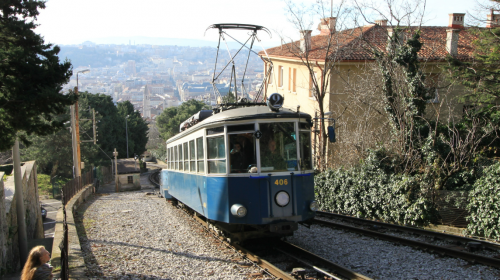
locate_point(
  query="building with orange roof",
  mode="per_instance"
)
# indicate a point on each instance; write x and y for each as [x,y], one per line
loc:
[350,54]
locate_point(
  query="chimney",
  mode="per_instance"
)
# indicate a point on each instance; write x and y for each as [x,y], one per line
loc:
[492,20]
[305,41]
[381,22]
[456,20]
[400,33]
[452,41]
[327,25]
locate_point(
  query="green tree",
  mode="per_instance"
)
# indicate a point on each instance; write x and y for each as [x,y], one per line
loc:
[481,75]
[137,128]
[111,126]
[170,119]
[53,152]
[229,98]
[405,96]
[31,76]
[481,79]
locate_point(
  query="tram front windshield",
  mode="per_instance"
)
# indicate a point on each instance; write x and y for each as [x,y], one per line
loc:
[278,147]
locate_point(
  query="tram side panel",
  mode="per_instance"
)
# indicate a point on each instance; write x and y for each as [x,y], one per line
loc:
[164,184]
[188,189]
[217,199]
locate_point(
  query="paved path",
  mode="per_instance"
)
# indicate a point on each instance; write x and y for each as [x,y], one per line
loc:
[51,205]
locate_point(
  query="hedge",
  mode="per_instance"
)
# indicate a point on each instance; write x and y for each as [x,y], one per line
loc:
[484,204]
[368,191]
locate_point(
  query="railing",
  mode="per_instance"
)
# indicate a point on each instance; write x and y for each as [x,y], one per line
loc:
[64,246]
[77,184]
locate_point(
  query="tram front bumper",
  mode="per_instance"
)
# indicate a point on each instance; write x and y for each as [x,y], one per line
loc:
[284,227]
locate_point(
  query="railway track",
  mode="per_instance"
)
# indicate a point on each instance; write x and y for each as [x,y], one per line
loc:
[295,260]
[294,254]
[457,248]
[267,251]
[154,178]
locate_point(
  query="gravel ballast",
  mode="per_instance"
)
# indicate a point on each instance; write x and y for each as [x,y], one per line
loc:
[491,253]
[384,260]
[138,236]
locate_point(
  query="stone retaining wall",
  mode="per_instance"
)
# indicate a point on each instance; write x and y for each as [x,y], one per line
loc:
[76,262]
[3,227]
[9,260]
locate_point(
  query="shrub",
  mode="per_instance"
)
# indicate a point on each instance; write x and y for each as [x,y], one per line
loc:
[44,185]
[368,191]
[484,204]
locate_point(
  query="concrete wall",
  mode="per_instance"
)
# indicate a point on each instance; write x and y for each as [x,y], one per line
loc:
[33,215]
[76,261]
[3,227]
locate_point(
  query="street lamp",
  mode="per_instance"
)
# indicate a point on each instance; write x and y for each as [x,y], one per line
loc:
[76,130]
[126,132]
[83,72]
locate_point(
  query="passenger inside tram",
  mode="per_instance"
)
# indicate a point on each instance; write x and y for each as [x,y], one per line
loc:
[242,154]
[239,162]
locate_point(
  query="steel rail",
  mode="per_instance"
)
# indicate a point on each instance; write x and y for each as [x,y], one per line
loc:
[440,235]
[267,266]
[473,258]
[264,264]
[315,261]
[152,178]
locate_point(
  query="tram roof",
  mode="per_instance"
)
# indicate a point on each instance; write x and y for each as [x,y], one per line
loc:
[239,114]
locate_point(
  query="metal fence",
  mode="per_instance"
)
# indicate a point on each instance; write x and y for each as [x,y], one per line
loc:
[77,184]
[451,206]
[64,246]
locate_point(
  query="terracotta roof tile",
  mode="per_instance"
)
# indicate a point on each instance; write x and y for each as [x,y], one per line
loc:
[357,44]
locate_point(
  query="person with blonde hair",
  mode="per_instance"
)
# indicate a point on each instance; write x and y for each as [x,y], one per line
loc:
[36,267]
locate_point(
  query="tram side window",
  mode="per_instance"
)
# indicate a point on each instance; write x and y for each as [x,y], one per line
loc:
[278,147]
[192,167]
[199,155]
[242,155]
[168,158]
[305,150]
[172,159]
[186,154]
[179,147]
[216,154]
[176,158]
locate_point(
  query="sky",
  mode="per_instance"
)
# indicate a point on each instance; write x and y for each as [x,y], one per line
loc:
[65,22]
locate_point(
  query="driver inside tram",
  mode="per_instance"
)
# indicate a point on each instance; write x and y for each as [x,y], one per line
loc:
[272,158]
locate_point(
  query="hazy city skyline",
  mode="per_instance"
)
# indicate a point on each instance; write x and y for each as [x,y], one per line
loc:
[76,21]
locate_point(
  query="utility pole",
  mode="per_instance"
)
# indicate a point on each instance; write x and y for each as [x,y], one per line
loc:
[77,135]
[73,142]
[115,154]
[126,132]
[21,222]
[75,129]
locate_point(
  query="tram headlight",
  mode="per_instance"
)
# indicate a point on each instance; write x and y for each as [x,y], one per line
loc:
[313,206]
[238,210]
[282,198]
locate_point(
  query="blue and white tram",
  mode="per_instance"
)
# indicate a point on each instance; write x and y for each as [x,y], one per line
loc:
[248,169]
